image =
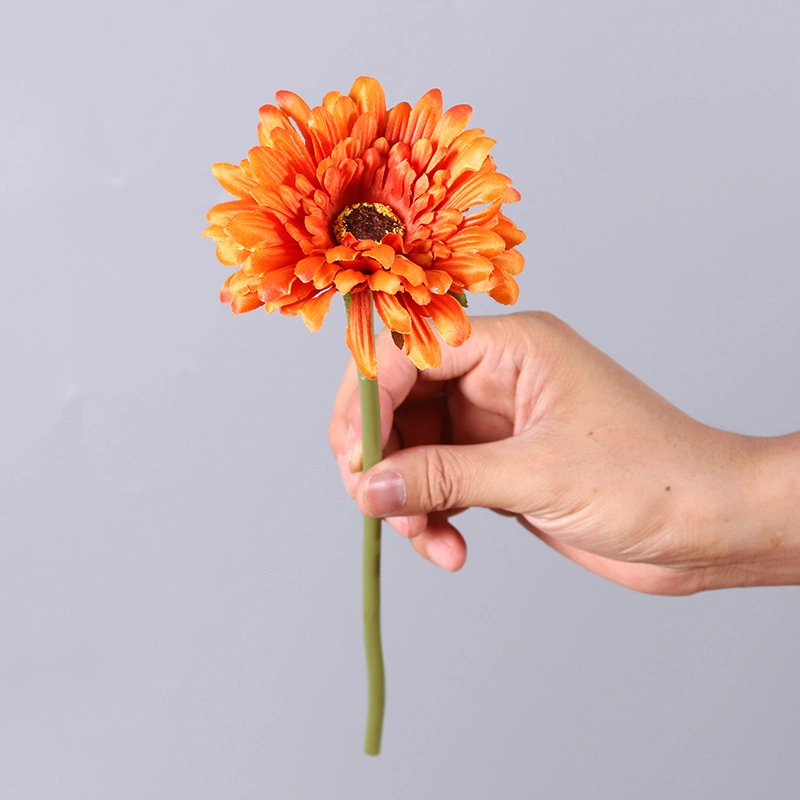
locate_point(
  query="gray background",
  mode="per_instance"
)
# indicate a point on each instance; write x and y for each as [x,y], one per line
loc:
[179,572]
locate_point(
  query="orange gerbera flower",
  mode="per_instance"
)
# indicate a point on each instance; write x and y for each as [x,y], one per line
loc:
[350,198]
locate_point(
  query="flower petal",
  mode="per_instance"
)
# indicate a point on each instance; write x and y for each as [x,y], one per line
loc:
[307,267]
[422,347]
[511,262]
[369,97]
[244,303]
[232,179]
[467,269]
[506,292]
[392,312]
[452,123]
[222,213]
[383,281]
[478,188]
[296,108]
[383,254]
[276,284]
[407,269]
[325,274]
[472,158]
[397,122]
[253,228]
[477,240]
[424,116]
[341,253]
[438,281]
[291,303]
[346,279]
[449,318]
[359,335]
[314,310]
[511,234]
[231,254]
[270,258]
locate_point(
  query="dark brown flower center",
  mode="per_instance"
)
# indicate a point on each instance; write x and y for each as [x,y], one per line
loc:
[367,221]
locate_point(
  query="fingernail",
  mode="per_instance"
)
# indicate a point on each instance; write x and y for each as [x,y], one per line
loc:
[385,494]
[353,449]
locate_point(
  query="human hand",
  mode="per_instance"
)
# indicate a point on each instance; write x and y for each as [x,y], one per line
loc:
[529,419]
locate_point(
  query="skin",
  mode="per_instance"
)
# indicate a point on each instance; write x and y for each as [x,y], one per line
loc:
[529,419]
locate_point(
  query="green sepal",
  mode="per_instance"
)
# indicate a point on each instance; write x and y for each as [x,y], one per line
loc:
[461,297]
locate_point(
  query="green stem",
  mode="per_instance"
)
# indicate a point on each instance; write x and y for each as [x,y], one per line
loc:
[376,681]
[371,565]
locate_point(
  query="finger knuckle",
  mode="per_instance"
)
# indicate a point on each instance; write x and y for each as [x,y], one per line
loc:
[442,484]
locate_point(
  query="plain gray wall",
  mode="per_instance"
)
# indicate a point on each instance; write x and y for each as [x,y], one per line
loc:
[179,566]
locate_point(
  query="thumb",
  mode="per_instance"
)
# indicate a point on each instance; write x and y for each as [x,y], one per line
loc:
[442,477]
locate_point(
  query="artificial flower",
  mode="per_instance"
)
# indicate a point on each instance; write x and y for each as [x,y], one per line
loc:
[403,206]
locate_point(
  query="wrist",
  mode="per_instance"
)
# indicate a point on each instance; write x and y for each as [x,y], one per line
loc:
[755,514]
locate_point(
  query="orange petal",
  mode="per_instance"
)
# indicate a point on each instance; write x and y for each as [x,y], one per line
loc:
[233,179]
[511,262]
[276,284]
[507,292]
[421,153]
[472,157]
[438,281]
[511,234]
[244,303]
[450,319]
[345,114]
[392,312]
[420,294]
[322,131]
[222,213]
[346,279]
[315,309]
[365,130]
[467,269]
[216,232]
[452,123]
[477,189]
[296,108]
[397,122]
[242,283]
[253,228]
[407,269]
[383,254]
[325,275]
[369,97]
[292,303]
[307,267]
[359,336]
[267,165]
[270,258]
[424,116]
[294,151]
[422,346]
[330,99]
[487,217]
[445,156]
[383,281]
[225,294]
[231,254]
[340,253]
[477,240]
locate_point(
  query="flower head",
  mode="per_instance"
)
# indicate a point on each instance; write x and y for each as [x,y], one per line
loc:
[348,197]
